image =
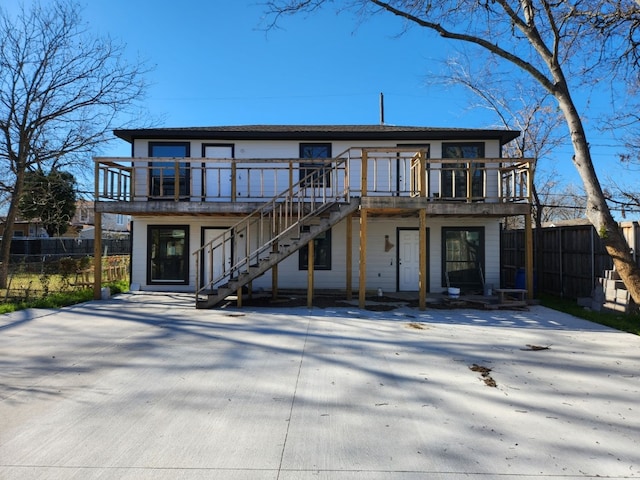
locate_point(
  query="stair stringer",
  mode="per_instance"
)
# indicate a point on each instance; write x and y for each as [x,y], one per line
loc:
[284,251]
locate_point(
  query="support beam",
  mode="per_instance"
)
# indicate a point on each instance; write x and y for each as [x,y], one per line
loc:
[528,246]
[349,256]
[310,264]
[422,258]
[97,257]
[362,282]
[274,269]
[274,282]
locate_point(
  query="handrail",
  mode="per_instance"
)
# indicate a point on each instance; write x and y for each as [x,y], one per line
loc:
[283,213]
[391,171]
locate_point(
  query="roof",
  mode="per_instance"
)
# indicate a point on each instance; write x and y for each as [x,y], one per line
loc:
[317,132]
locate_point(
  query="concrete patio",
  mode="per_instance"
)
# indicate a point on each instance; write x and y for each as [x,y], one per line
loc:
[144,386]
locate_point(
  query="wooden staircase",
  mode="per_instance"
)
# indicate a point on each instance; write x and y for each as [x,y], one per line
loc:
[274,231]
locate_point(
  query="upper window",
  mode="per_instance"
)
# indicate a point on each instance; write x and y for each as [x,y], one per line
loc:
[318,173]
[321,252]
[455,175]
[164,178]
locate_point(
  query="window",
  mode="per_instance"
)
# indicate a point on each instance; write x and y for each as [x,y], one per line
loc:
[163,174]
[321,252]
[463,258]
[168,256]
[320,172]
[454,175]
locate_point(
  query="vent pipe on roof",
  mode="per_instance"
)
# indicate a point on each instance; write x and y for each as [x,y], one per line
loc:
[381,108]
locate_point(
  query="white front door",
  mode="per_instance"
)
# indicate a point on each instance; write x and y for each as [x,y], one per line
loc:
[218,175]
[408,260]
[213,265]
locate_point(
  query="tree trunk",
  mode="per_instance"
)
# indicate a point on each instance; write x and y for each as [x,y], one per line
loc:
[5,247]
[598,211]
[9,227]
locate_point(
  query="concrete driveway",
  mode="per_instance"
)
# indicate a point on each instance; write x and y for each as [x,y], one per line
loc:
[144,386]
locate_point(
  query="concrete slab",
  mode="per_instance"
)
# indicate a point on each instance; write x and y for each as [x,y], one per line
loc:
[144,386]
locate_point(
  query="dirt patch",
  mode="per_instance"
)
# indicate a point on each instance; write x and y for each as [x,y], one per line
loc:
[535,348]
[417,326]
[485,374]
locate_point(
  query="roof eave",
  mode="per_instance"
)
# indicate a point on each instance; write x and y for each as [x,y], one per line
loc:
[505,136]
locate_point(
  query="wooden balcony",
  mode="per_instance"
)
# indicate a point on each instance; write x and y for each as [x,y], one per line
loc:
[388,180]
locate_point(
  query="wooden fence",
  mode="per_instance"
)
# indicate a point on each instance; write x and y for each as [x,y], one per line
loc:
[36,249]
[567,259]
[33,280]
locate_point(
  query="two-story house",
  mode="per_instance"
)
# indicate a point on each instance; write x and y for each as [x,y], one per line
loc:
[351,208]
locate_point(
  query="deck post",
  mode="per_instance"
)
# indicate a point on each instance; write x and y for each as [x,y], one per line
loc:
[528,245]
[422,258]
[274,282]
[349,256]
[97,256]
[362,282]
[274,269]
[363,174]
[310,264]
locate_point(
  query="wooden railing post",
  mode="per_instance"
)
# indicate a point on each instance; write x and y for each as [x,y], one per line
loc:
[363,173]
[469,182]
[176,181]
[423,173]
[234,185]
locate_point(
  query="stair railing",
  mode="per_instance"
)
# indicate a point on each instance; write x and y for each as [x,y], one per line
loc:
[275,220]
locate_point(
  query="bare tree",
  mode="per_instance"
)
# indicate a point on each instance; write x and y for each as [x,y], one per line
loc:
[516,105]
[62,91]
[553,43]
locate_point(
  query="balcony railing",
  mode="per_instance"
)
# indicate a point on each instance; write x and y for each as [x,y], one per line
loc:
[363,172]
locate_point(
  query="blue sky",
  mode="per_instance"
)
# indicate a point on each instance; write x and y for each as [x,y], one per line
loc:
[215,65]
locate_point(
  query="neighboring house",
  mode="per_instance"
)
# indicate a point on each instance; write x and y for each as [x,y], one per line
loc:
[114,225]
[380,207]
[25,229]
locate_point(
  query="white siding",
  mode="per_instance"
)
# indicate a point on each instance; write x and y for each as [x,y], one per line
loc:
[381,264]
[265,182]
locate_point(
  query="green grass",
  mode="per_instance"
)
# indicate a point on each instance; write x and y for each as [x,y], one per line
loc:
[620,321]
[64,299]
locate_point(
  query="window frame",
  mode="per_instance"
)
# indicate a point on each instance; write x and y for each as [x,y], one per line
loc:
[323,177]
[479,261]
[303,253]
[477,182]
[184,257]
[185,172]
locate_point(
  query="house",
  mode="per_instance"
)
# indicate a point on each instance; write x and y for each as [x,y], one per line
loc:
[351,208]
[25,229]
[114,225]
